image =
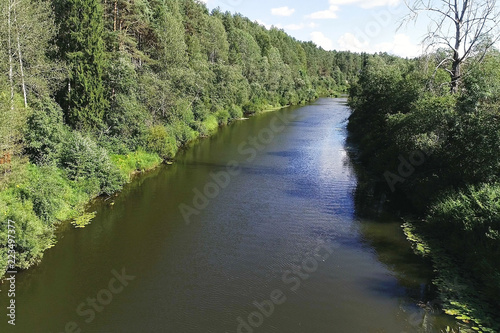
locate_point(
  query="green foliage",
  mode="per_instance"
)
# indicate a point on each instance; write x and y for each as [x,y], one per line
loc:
[45,132]
[235,112]
[32,235]
[81,44]
[82,159]
[222,116]
[39,188]
[138,161]
[83,220]
[161,142]
[399,108]
[471,220]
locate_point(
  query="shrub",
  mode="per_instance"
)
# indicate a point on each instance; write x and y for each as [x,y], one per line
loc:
[182,132]
[208,126]
[84,160]
[235,112]
[44,132]
[470,221]
[222,116]
[53,196]
[160,141]
[32,235]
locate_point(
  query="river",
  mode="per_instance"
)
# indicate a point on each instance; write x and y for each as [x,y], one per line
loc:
[254,229]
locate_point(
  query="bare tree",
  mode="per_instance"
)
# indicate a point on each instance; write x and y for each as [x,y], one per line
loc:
[467,28]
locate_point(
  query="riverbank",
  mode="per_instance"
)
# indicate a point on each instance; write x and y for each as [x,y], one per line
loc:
[45,197]
[434,159]
[460,294]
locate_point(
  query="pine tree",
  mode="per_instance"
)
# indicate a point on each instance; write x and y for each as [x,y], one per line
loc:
[81,44]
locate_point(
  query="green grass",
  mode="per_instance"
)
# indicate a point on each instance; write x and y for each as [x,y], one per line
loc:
[37,198]
[138,161]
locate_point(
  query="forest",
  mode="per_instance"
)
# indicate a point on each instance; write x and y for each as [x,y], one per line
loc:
[92,92]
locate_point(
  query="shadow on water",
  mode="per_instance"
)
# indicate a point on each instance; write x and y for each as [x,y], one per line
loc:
[381,230]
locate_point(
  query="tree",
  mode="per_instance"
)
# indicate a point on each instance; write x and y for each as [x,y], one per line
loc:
[468,28]
[81,44]
[39,74]
[26,30]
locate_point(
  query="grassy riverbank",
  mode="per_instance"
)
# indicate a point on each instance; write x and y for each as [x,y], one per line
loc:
[39,197]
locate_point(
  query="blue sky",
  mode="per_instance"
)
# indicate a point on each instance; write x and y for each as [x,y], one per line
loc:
[355,25]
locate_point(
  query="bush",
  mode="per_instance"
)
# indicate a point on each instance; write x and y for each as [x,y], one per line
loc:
[222,116]
[160,141]
[208,126]
[182,132]
[32,235]
[53,196]
[470,221]
[82,159]
[235,112]
[45,131]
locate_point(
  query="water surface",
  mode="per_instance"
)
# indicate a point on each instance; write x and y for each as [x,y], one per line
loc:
[285,225]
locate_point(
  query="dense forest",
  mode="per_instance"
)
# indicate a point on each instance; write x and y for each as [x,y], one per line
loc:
[435,151]
[92,91]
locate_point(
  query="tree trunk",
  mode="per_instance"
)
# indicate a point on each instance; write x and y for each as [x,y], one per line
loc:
[455,73]
[115,15]
[455,67]
[21,68]
[11,65]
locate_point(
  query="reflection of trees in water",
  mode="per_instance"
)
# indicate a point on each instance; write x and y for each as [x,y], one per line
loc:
[381,230]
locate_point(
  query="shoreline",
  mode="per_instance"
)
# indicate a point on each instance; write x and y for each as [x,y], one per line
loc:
[82,208]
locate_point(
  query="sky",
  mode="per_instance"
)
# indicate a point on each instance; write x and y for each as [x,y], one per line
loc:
[344,25]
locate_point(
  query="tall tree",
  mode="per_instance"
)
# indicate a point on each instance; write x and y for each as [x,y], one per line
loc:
[81,44]
[26,30]
[465,27]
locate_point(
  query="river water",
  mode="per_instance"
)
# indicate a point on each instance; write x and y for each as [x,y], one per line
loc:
[252,230]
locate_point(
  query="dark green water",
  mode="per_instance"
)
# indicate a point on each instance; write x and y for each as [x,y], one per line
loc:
[284,227]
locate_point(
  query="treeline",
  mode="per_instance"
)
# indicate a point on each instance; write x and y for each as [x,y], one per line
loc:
[440,151]
[91,91]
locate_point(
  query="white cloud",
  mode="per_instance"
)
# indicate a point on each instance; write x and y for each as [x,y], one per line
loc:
[267,26]
[330,13]
[295,26]
[321,40]
[283,11]
[349,42]
[366,3]
[401,45]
